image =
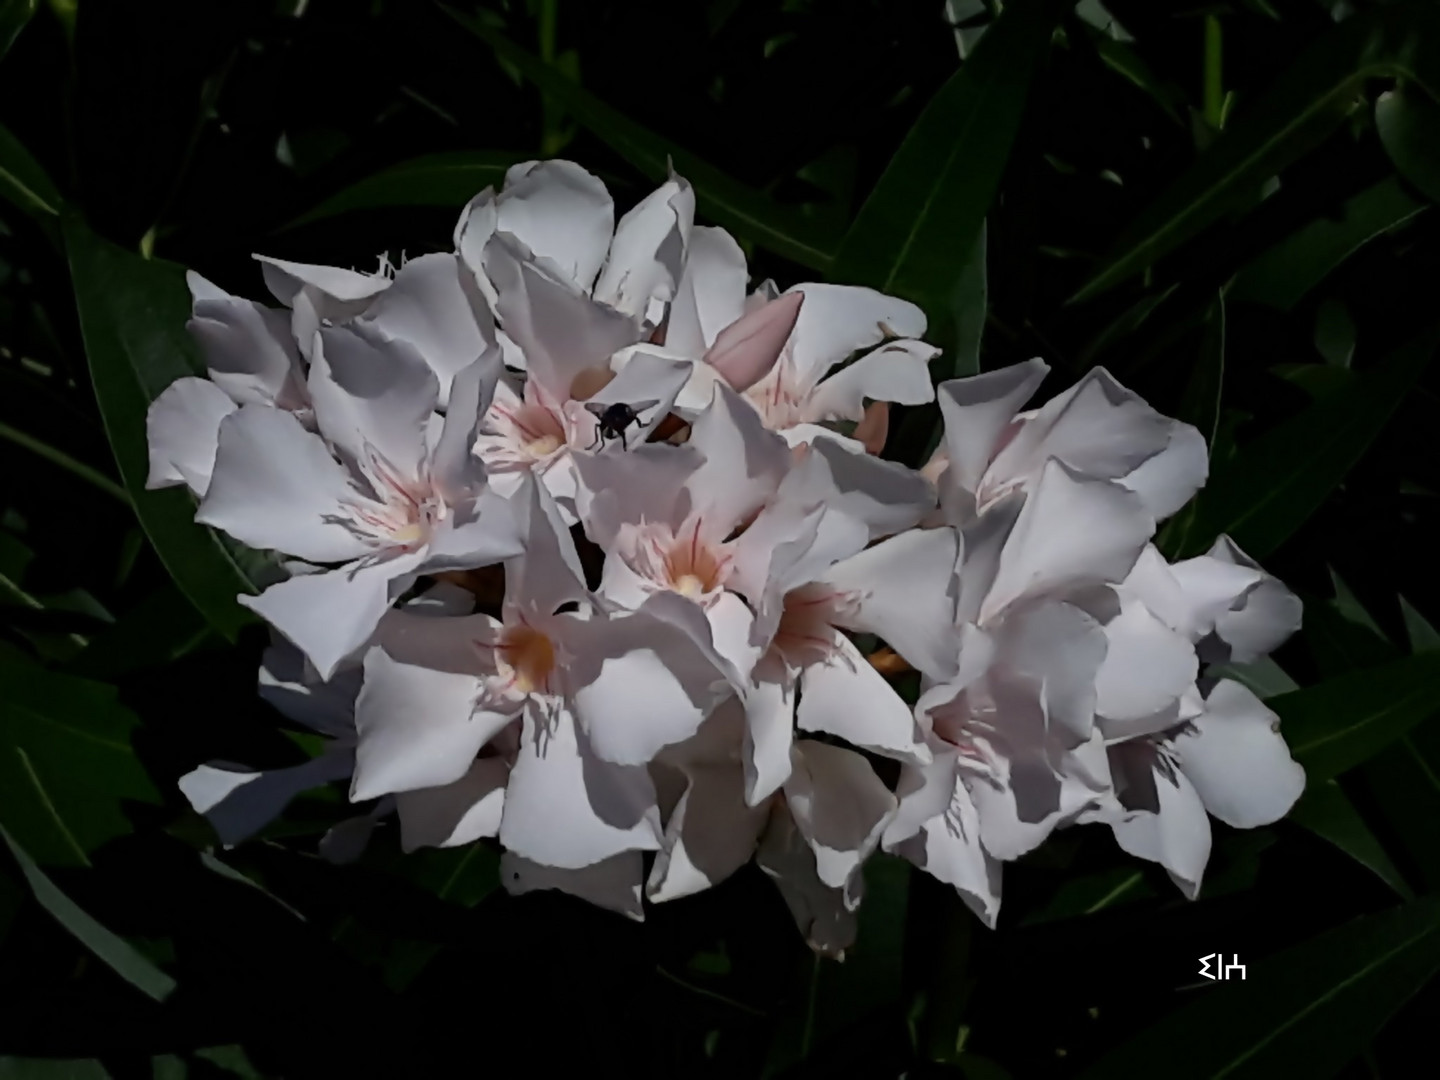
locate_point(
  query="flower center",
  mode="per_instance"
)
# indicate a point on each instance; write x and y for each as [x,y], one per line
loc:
[778,397]
[525,659]
[806,633]
[406,512]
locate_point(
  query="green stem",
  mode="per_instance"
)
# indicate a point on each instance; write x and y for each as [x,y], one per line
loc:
[65,461]
[1214,99]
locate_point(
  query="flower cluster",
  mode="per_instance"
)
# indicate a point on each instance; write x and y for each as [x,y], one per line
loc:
[585,536]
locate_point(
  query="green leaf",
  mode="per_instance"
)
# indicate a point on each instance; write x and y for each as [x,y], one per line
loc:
[1335,333]
[840,995]
[1327,811]
[1086,894]
[969,305]
[132,318]
[22,180]
[1337,724]
[1264,677]
[1200,407]
[449,180]
[1126,63]
[159,630]
[14,16]
[1282,276]
[1408,123]
[1423,636]
[1277,481]
[126,962]
[745,211]
[65,761]
[914,234]
[1305,1012]
[14,1068]
[1299,111]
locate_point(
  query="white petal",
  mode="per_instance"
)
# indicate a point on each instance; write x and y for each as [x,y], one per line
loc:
[566,808]
[373,396]
[769,734]
[646,680]
[898,371]
[457,472]
[287,683]
[840,807]
[429,307]
[947,846]
[458,813]
[336,293]
[747,350]
[418,727]
[905,591]
[838,320]
[1237,759]
[182,429]
[1097,428]
[977,412]
[548,574]
[711,293]
[648,252]
[612,883]
[249,351]
[479,532]
[744,463]
[332,614]
[275,486]
[1055,651]
[824,915]
[1071,531]
[561,331]
[1264,616]
[1147,666]
[711,833]
[1172,830]
[647,484]
[240,804]
[845,696]
[883,495]
[561,212]
[1167,481]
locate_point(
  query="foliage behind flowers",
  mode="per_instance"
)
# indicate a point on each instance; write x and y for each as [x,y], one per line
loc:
[619,611]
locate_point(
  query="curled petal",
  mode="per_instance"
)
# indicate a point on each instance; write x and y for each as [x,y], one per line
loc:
[183,430]
[745,351]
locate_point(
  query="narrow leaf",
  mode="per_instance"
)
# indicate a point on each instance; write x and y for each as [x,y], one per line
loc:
[1305,1012]
[969,305]
[1327,811]
[14,1068]
[915,232]
[1422,634]
[132,318]
[66,762]
[448,180]
[1299,111]
[745,211]
[1282,276]
[1409,126]
[22,180]
[1337,724]
[126,962]
[1277,481]
[15,15]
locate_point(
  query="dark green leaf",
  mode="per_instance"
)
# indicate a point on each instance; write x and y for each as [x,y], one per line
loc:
[1305,1012]
[1283,275]
[14,16]
[969,307]
[1304,106]
[1277,481]
[159,630]
[22,180]
[132,318]
[13,1068]
[1335,333]
[126,962]
[65,761]
[914,235]
[1409,127]
[749,213]
[1422,634]
[1126,63]
[1201,408]
[1264,677]
[839,995]
[1086,894]
[449,180]
[1337,724]
[1327,811]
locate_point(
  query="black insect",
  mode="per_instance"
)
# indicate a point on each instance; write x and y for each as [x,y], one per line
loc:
[614,419]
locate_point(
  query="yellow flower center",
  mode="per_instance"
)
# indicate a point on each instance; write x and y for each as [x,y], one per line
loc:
[526,657]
